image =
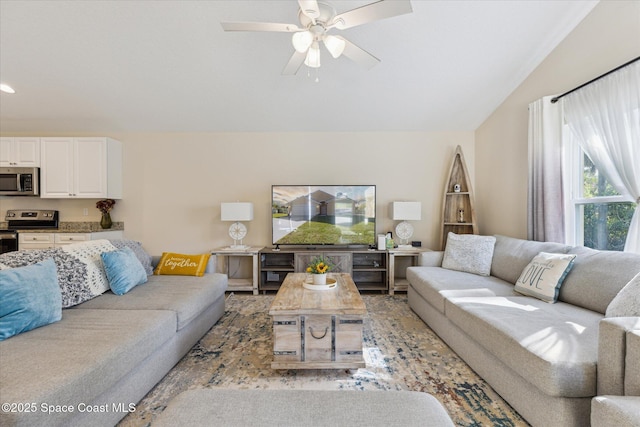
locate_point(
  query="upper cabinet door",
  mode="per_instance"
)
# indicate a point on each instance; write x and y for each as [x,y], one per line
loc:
[89,168]
[20,152]
[90,178]
[56,173]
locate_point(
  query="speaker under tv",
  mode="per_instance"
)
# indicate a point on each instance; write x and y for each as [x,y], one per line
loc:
[315,215]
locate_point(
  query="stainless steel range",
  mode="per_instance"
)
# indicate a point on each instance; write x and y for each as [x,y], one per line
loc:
[23,219]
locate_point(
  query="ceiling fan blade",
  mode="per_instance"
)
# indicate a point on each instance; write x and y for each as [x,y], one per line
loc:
[310,8]
[359,55]
[372,12]
[294,63]
[260,26]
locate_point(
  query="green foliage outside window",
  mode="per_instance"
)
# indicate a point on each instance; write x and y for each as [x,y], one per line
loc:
[605,224]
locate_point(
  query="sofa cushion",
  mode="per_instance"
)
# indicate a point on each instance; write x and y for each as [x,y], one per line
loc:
[511,255]
[124,270]
[182,264]
[552,346]
[187,296]
[627,302]
[435,284]
[544,275]
[75,360]
[597,277]
[469,253]
[30,298]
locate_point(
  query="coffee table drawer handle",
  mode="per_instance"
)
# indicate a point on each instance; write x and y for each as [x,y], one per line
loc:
[323,335]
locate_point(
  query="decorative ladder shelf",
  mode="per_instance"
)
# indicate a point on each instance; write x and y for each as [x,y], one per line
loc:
[458,213]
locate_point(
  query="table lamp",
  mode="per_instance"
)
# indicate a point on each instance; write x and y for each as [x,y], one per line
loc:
[405,211]
[236,212]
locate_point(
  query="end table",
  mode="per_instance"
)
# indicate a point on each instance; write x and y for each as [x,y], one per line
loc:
[239,280]
[398,280]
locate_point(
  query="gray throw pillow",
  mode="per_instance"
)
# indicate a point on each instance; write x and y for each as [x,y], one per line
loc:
[627,302]
[469,253]
[138,250]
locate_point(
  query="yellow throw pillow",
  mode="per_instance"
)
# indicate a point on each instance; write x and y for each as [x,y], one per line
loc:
[181,264]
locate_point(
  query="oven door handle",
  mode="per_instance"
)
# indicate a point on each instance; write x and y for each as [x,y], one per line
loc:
[8,236]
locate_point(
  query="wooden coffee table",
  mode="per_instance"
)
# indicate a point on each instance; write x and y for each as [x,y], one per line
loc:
[317,329]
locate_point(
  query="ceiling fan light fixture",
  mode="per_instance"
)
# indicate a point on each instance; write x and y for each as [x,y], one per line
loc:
[313,56]
[335,45]
[302,41]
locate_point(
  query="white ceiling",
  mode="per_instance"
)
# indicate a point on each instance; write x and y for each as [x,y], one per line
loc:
[127,66]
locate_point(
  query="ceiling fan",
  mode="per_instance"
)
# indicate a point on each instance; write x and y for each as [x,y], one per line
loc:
[317,18]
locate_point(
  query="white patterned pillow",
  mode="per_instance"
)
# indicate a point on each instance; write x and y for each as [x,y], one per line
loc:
[89,254]
[81,274]
[469,253]
[544,275]
[627,302]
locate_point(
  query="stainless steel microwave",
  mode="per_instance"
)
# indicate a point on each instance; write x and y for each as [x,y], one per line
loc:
[19,181]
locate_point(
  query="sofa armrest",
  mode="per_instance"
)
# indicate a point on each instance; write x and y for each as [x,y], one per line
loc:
[632,364]
[612,350]
[430,259]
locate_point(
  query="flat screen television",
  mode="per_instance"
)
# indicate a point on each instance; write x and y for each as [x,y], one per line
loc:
[323,214]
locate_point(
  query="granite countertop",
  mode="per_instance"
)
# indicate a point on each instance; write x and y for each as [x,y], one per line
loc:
[72,227]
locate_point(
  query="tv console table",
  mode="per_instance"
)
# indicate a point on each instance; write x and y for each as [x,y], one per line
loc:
[368,268]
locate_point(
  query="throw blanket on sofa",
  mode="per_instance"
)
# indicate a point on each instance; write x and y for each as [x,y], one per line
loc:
[81,274]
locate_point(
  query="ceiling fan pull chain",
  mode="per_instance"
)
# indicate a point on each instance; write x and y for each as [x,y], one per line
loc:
[317,79]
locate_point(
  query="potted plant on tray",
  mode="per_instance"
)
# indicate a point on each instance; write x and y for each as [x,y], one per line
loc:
[318,269]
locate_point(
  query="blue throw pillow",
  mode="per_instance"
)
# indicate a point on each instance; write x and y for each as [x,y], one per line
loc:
[124,270]
[30,297]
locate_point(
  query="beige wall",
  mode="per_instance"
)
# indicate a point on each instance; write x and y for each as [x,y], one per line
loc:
[609,36]
[174,183]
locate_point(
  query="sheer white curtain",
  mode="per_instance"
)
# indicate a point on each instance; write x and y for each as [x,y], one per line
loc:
[545,213]
[605,117]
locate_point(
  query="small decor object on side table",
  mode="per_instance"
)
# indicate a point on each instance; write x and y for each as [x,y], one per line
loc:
[105,207]
[318,269]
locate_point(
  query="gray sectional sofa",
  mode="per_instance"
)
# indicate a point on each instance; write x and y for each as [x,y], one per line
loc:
[93,366]
[547,360]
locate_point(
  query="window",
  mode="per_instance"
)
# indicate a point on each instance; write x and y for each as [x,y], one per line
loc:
[597,216]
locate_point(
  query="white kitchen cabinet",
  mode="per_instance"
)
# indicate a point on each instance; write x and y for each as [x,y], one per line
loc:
[88,167]
[61,239]
[35,240]
[28,240]
[20,152]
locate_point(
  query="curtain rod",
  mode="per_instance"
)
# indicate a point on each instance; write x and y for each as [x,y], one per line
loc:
[554,100]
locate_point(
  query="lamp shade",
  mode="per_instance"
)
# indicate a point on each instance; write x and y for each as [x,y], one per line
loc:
[406,211]
[335,45]
[313,56]
[302,41]
[238,211]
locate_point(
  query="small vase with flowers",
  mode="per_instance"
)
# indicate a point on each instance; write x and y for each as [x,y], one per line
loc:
[105,206]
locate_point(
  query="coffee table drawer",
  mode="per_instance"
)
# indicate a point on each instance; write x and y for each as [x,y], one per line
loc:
[318,338]
[348,345]
[287,343]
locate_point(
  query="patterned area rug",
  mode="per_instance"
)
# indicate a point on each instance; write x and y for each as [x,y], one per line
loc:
[400,351]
